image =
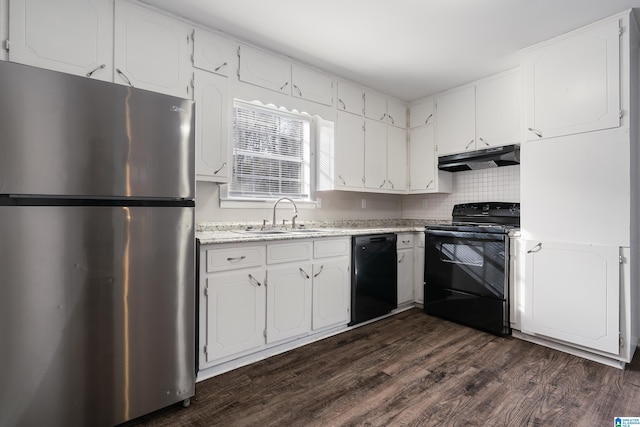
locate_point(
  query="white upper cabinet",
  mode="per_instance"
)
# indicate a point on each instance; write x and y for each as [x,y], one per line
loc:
[71,36]
[483,115]
[380,108]
[349,152]
[264,70]
[455,131]
[213,53]
[213,160]
[350,98]
[572,84]
[422,113]
[311,85]
[151,51]
[397,114]
[424,176]
[375,106]
[375,155]
[396,159]
[498,106]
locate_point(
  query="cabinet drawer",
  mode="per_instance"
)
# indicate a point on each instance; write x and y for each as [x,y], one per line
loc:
[287,252]
[331,247]
[232,258]
[405,241]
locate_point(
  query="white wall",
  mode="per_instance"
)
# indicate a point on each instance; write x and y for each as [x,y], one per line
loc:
[485,185]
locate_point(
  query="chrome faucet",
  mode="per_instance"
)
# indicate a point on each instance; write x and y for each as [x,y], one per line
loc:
[295,211]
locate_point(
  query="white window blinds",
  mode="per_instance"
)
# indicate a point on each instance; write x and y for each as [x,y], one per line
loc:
[270,153]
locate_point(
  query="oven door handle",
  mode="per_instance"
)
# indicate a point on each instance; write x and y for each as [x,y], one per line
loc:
[467,235]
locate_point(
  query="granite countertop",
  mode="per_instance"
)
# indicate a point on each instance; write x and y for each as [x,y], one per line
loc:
[212,233]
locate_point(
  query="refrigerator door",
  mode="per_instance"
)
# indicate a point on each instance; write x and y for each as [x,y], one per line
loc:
[68,135]
[97,313]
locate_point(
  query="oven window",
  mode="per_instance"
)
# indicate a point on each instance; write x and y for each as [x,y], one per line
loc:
[462,254]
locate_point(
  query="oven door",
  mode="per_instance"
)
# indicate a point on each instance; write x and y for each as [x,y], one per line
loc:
[466,278]
[470,262]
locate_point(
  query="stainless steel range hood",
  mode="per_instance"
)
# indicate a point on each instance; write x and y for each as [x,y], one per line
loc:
[507,155]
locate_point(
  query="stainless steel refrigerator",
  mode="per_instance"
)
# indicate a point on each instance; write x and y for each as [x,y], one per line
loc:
[97,285]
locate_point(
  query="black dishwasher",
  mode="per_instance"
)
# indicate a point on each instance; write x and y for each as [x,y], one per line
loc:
[374,289]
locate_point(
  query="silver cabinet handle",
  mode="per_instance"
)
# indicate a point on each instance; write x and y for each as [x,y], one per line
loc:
[383,182]
[238,258]
[342,179]
[393,122]
[428,117]
[485,142]
[124,76]
[344,106]
[406,242]
[393,187]
[401,258]
[383,116]
[253,279]
[536,132]
[221,167]
[429,184]
[224,64]
[318,273]
[284,85]
[100,67]
[470,142]
[536,248]
[304,272]
[298,89]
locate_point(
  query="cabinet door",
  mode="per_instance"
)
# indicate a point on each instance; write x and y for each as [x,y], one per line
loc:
[422,159]
[350,98]
[213,162]
[498,110]
[375,154]
[349,151]
[419,269]
[422,113]
[331,293]
[572,293]
[236,304]
[456,128]
[71,36]
[311,85]
[213,53]
[375,106]
[406,281]
[151,51]
[396,159]
[573,85]
[397,114]
[264,70]
[288,301]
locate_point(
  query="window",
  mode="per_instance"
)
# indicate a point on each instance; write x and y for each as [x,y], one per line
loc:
[271,153]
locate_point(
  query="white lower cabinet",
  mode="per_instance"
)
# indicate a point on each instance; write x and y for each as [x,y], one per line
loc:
[419,269]
[331,293]
[254,297]
[572,293]
[288,302]
[235,312]
[406,267]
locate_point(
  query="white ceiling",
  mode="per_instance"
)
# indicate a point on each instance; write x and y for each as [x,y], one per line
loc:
[405,48]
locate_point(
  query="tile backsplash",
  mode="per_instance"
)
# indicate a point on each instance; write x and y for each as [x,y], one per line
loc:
[484,185]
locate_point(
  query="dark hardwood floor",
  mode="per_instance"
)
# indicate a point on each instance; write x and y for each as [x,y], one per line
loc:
[413,370]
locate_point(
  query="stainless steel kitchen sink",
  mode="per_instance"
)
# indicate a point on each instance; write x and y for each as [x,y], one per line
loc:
[279,231]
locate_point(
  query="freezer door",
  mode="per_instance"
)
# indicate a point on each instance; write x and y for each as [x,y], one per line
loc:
[97,313]
[68,135]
